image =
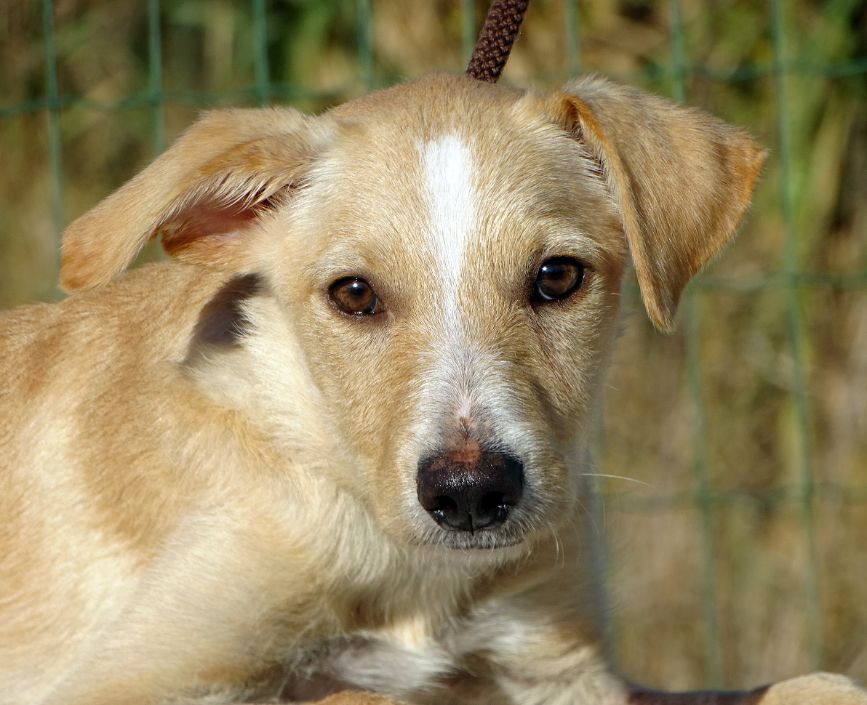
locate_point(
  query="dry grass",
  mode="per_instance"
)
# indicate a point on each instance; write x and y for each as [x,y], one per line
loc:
[739,420]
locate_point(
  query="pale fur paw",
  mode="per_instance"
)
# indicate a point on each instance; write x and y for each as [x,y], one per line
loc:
[815,689]
[356,698]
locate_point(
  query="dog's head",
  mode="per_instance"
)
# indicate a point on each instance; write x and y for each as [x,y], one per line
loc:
[449,254]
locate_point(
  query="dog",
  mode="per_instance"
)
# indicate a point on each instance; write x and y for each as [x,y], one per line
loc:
[328,451]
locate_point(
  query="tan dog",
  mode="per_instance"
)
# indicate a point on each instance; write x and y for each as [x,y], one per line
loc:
[334,444]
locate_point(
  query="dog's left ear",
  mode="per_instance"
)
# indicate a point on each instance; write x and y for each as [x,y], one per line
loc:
[681,179]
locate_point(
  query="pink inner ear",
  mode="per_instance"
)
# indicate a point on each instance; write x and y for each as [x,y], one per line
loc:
[208,221]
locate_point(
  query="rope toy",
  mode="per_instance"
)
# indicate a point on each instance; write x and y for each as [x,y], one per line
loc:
[495,41]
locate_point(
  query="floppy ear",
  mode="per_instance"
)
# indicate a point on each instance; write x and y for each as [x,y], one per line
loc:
[203,195]
[681,179]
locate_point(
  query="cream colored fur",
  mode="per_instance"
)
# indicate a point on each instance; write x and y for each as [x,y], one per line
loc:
[207,479]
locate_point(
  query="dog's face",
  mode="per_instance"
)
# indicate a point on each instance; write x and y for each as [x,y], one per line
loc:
[450,256]
[457,287]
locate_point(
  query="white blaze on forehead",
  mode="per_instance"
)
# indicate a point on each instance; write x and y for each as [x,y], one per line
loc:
[448,186]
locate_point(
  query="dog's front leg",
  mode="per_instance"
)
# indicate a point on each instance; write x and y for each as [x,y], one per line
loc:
[576,679]
[536,645]
[539,648]
[545,675]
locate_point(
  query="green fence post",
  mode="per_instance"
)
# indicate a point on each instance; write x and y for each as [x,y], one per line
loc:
[155,77]
[591,487]
[365,42]
[52,107]
[468,27]
[260,57]
[798,341]
[703,496]
[596,539]
[573,38]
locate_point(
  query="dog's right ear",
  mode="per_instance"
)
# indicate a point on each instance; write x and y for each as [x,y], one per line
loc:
[203,195]
[681,179]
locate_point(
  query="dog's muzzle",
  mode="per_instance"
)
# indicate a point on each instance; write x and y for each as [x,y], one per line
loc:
[470,493]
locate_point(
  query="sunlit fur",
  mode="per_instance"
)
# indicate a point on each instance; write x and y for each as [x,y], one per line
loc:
[216,520]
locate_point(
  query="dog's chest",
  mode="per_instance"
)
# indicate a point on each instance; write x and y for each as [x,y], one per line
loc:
[396,661]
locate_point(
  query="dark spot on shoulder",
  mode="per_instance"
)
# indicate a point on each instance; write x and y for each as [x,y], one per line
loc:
[222,322]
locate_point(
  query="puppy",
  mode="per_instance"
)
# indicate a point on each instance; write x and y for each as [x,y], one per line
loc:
[332,444]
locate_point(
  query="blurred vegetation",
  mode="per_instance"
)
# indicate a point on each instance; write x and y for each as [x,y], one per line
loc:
[743,558]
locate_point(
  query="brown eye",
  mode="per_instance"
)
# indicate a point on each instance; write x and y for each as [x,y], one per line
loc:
[557,278]
[354,296]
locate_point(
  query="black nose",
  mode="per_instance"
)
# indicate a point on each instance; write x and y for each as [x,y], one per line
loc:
[470,494]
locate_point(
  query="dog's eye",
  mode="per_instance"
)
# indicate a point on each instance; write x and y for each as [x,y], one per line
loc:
[354,296]
[557,278]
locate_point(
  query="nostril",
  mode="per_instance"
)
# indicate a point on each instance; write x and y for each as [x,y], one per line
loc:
[494,505]
[442,507]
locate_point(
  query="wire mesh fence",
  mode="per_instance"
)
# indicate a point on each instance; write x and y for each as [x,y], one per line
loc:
[742,558]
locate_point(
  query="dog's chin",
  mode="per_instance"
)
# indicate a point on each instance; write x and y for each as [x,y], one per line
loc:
[507,540]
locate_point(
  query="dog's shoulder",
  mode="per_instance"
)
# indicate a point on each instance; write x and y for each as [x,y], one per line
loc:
[144,300]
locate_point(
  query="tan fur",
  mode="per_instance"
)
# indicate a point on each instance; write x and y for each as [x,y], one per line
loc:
[208,496]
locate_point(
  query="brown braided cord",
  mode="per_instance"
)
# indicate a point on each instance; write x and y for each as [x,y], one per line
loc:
[496,39]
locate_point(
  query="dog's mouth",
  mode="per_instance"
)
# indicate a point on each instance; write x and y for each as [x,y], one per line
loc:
[481,541]
[516,531]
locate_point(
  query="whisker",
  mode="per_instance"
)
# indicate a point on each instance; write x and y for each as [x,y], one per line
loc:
[616,477]
[590,517]
[559,554]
